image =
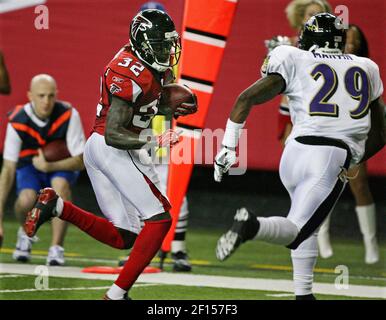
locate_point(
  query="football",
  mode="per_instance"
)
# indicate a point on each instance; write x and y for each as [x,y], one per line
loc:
[56,150]
[173,95]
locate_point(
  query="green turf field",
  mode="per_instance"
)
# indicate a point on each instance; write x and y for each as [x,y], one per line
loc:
[252,260]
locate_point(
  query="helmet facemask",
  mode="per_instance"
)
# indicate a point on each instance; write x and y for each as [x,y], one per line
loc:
[162,54]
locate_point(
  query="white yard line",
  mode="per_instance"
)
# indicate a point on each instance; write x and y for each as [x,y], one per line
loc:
[359,291]
[114,262]
[11,276]
[70,289]
[54,289]
[79,259]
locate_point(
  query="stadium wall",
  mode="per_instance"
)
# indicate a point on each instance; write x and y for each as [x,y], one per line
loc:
[84,35]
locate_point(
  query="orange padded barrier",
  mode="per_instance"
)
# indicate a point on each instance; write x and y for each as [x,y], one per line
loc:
[205,29]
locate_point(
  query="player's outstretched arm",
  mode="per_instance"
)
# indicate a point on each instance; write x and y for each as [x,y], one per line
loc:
[118,119]
[261,91]
[376,138]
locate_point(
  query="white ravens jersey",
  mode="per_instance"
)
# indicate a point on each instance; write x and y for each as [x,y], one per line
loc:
[329,94]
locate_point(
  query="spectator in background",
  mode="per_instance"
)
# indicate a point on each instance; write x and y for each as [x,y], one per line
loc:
[31,126]
[356,43]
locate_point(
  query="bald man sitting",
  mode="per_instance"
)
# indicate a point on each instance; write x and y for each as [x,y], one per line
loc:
[30,126]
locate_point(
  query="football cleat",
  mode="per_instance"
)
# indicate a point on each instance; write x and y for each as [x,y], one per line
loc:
[43,210]
[181,262]
[125,297]
[55,256]
[245,227]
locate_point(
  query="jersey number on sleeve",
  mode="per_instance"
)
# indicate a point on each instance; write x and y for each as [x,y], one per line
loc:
[135,68]
[356,84]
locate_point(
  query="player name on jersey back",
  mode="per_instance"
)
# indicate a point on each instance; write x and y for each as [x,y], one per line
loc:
[331,56]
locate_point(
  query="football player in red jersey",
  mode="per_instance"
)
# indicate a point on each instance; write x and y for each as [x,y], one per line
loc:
[121,171]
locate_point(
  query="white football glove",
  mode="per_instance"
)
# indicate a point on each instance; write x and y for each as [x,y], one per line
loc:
[277,41]
[225,159]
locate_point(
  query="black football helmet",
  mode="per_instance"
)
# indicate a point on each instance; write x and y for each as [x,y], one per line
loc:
[325,31]
[155,40]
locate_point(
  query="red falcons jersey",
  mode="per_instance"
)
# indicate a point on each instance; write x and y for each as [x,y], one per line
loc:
[127,78]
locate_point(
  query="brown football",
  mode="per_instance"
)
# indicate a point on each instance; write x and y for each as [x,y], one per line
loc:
[56,150]
[174,94]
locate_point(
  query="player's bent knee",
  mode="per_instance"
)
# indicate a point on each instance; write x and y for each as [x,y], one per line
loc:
[128,238]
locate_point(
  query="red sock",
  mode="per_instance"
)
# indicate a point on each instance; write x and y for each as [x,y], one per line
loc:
[99,228]
[145,248]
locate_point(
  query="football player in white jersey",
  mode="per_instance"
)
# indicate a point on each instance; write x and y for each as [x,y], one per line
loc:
[337,112]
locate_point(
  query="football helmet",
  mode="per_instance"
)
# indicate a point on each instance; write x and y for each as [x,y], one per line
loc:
[155,40]
[324,31]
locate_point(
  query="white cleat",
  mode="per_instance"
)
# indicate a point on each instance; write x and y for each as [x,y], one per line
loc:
[22,253]
[55,256]
[227,244]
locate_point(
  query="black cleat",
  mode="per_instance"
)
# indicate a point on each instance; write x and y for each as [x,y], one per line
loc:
[306,297]
[43,210]
[245,227]
[181,262]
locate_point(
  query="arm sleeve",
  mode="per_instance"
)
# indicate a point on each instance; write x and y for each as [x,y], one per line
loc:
[279,61]
[122,86]
[12,144]
[75,138]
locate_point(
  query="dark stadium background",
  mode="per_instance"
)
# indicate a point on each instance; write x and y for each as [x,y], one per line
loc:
[84,35]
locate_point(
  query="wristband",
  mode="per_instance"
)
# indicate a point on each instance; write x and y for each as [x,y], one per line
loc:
[232,134]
